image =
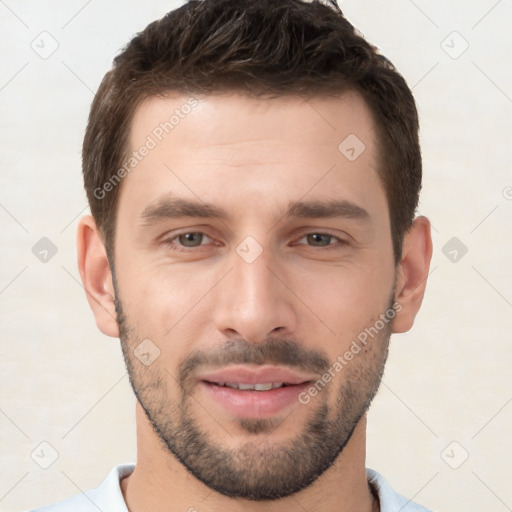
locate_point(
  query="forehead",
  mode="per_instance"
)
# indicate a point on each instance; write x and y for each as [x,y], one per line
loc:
[242,148]
[230,117]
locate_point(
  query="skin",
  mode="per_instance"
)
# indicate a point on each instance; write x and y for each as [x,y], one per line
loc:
[252,157]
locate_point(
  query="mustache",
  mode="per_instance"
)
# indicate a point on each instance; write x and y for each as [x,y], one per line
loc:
[281,352]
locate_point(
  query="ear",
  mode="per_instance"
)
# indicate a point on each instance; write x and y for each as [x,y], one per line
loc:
[412,273]
[96,276]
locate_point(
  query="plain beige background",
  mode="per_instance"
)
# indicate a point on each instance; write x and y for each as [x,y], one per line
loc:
[439,430]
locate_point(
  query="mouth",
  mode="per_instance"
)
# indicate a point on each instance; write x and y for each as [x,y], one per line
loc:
[252,387]
[254,393]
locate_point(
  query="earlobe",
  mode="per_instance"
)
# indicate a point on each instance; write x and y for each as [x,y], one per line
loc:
[412,273]
[96,276]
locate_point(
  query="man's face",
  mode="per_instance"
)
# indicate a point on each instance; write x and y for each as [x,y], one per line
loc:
[281,262]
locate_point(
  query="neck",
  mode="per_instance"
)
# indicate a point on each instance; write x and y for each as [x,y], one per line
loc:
[161,483]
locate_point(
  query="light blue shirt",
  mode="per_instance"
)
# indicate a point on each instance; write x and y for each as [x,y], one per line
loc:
[109,498]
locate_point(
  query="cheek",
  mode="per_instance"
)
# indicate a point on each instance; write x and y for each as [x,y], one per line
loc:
[171,308]
[345,299]
[162,293]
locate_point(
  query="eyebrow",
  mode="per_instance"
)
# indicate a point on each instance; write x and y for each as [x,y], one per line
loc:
[175,208]
[328,209]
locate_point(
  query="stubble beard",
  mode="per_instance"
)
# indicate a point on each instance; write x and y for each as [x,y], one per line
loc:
[259,469]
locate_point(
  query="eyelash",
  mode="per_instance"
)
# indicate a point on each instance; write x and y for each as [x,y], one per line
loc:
[170,242]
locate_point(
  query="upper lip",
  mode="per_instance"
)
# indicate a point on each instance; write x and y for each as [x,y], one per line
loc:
[260,375]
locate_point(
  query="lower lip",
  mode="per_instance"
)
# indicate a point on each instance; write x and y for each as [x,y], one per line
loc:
[252,403]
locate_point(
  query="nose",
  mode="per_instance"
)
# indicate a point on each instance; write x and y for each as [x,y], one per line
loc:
[253,301]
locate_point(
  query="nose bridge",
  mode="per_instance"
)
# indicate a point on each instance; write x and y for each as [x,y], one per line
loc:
[251,300]
[256,282]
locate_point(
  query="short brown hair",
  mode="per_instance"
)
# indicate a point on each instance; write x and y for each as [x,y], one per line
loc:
[256,47]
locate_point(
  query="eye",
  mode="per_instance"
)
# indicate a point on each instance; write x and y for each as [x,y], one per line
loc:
[321,239]
[189,240]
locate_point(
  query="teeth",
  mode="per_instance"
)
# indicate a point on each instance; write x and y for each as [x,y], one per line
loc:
[248,386]
[257,387]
